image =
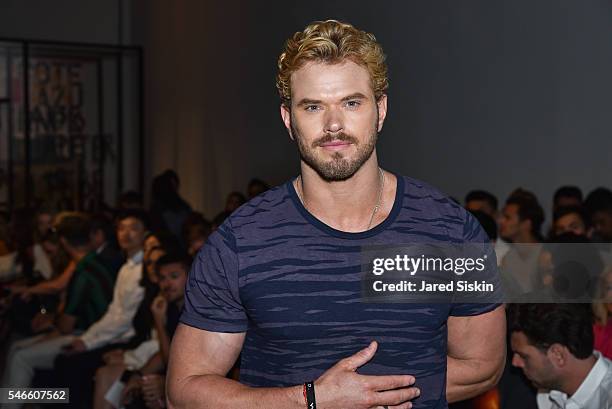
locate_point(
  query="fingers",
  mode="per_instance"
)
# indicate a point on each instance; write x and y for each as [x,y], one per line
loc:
[387,382]
[361,357]
[397,397]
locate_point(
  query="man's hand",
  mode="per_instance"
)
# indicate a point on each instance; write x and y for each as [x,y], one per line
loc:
[154,391]
[342,387]
[132,389]
[159,306]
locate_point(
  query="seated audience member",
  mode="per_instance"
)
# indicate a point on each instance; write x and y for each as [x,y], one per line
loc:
[256,187]
[520,225]
[553,345]
[487,222]
[481,200]
[602,309]
[115,330]
[89,293]
[168,209]
[148,383]
[234,201]
[195,232]
[105,245]
[598,206]
[219,219]
[117,361]
[567,196]
[569,220]
[27,259]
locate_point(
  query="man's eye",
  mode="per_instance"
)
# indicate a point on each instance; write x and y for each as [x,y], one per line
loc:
[353,104]
[312,108]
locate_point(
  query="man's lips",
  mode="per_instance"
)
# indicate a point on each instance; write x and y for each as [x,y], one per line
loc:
[335,145]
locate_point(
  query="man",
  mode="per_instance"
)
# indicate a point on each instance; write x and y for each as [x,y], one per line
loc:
[89,293]
[553,345]
[481,200]
[114,330]
[598,206]
[520,225]
[106,248]
[279,281]
[566,196]
[486,202]
[569,219]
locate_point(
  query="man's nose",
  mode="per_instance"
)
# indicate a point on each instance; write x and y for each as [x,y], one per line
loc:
[334,121]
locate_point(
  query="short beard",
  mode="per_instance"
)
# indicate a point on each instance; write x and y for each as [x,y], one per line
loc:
[338,168]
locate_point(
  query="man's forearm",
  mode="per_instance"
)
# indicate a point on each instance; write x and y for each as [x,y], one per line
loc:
[214,391]
[467,378]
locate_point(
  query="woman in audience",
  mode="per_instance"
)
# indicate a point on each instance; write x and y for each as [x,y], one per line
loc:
[602,308]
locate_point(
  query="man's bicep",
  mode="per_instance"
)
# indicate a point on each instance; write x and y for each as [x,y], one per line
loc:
[199,352]
[477,336]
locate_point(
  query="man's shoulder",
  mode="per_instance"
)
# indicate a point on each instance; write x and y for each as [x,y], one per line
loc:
[429,199]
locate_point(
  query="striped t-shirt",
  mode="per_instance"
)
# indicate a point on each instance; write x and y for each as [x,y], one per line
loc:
[293,284]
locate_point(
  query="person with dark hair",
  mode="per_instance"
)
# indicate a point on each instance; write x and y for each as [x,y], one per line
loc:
[567,196]
[520,225]
[171,269]
[234,201]
[103,242]
[89,293]
[481,200]
[569,219]
[115,330]
[195,232]
[553,345]
[280,281]
[256,187]
[598,206]
[168,209]
[487,222]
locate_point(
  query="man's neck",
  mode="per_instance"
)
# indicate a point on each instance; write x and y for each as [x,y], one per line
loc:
[348,205]
[525,238]
[577,375]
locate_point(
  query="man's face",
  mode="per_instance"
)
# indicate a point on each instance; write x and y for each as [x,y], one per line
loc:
[130,234]
[171,280]
[480,205]
[535,364]
[334,117]
[510,223]
[570,223]
[602,224]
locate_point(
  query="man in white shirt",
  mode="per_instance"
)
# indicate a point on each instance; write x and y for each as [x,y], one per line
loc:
[76,367]
[553,345]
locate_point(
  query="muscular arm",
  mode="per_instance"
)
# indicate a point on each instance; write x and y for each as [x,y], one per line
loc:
[201,382]
[199,361]
[476,353]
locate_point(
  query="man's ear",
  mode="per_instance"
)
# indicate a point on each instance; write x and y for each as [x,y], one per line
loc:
[285,112]
[382,110]
[558,355]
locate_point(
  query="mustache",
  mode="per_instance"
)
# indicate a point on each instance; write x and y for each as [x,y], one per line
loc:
[344,137]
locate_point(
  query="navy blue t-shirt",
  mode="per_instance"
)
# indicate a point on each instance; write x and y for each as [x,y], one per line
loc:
[293,284]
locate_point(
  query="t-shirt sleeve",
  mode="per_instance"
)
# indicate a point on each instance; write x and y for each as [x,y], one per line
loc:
[212,298]
[477,245]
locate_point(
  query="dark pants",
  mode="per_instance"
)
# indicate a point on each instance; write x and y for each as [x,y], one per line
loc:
[77,371]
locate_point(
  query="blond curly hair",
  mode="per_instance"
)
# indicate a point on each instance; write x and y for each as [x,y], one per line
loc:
[331,42]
